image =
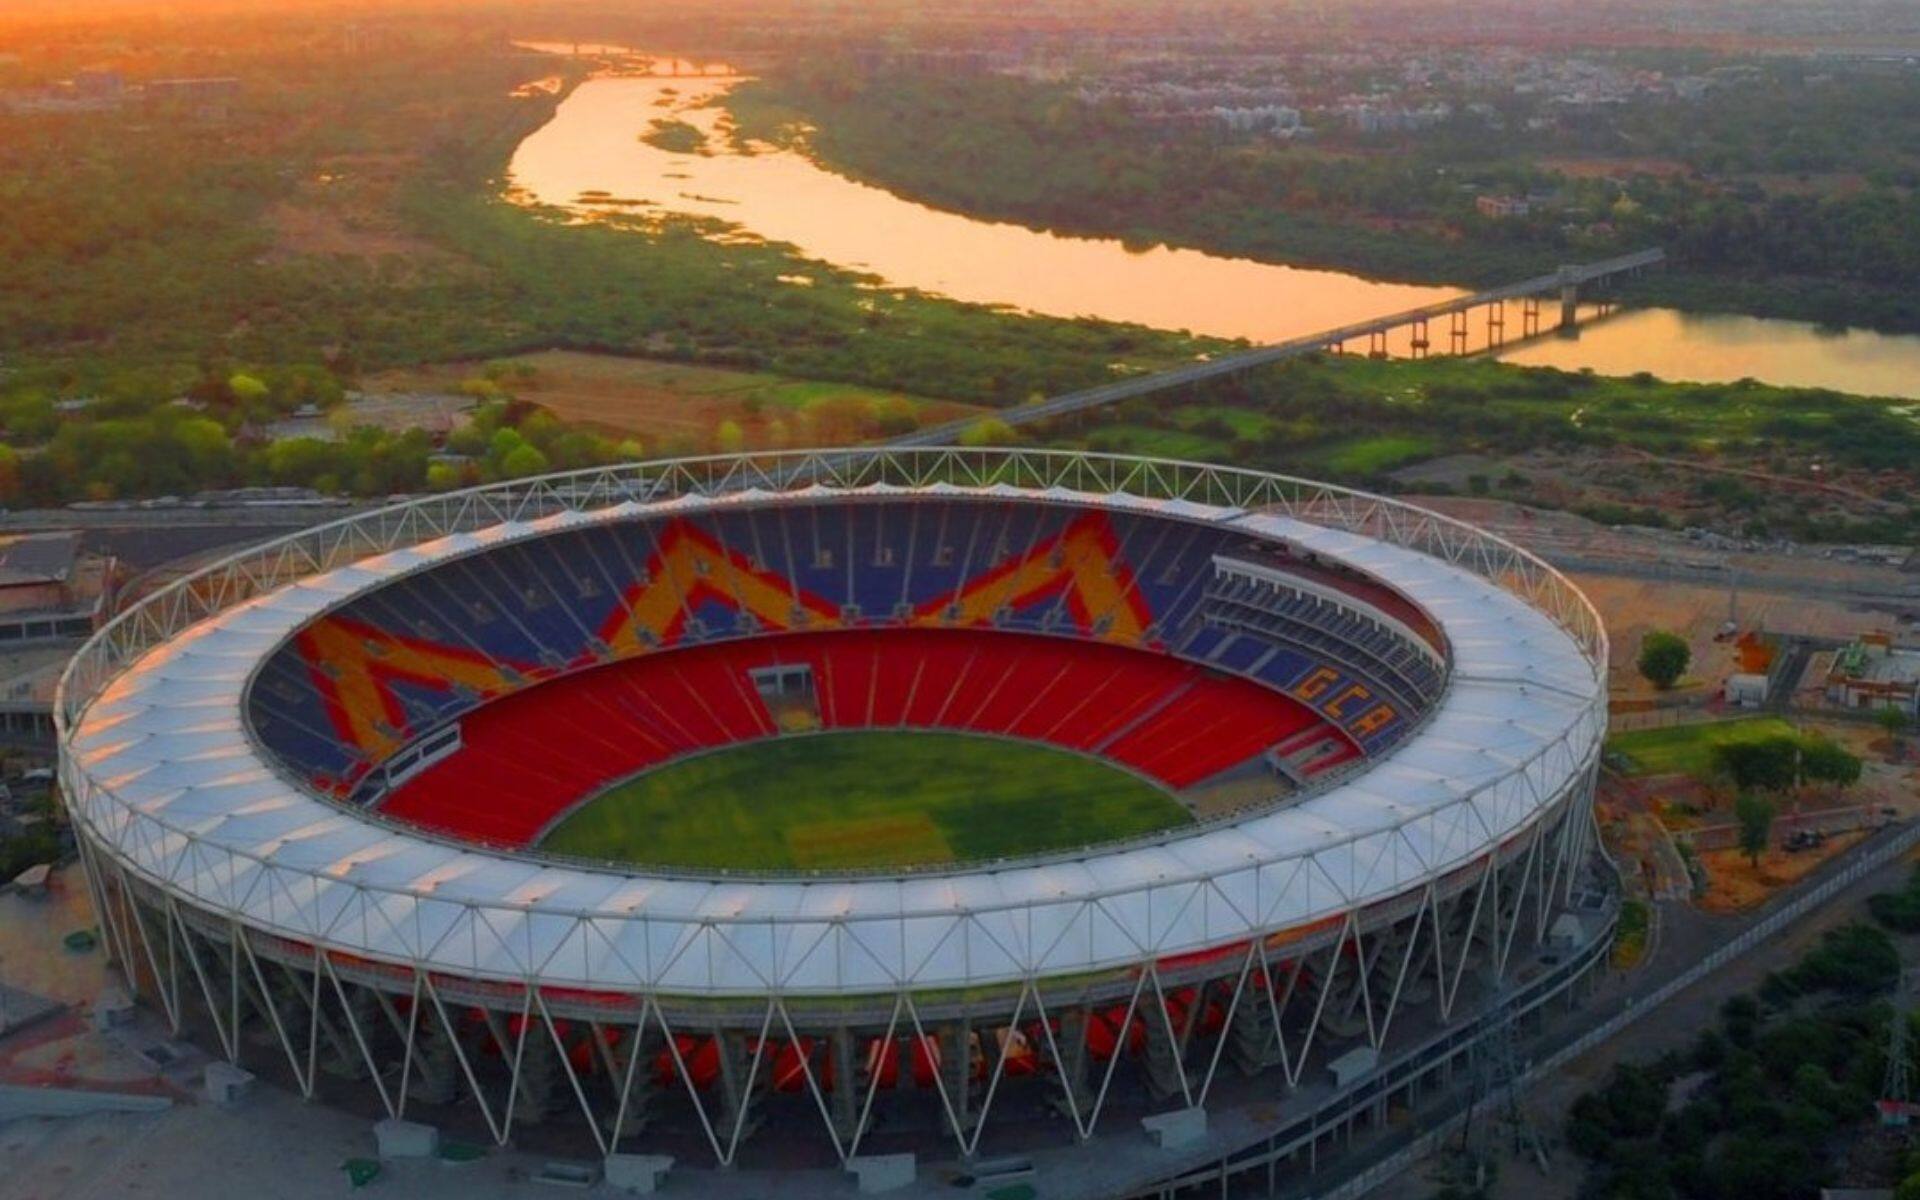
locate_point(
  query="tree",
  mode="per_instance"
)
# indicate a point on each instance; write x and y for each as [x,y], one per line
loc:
[1755,814]
[728,437]
[1892,720]
[1899,910]
[1769,764]
[523,460]
[989,432]
[482,389]
[1663,658]
[1827,761]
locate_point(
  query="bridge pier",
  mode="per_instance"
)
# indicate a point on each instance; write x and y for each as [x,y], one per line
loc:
[1569,297]
[1593,277]
[1529,316]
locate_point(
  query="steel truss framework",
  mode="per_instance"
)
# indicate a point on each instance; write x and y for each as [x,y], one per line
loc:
[522,1051]
[529,1056]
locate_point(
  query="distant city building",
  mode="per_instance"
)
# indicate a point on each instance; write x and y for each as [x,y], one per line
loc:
[37,571]
[1370,117]
[210,97]
[52,594]
[1874,673]
[99,85]
[1499,208]
[1278,119]
[29,677]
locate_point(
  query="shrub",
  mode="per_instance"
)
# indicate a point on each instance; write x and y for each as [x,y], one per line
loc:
[1663,658]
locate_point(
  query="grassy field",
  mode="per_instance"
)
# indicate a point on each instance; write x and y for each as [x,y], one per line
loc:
[1372,455]
[864,800]
[1688,749]
[676,407]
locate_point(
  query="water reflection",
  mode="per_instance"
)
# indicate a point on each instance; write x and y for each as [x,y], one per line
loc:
[1721,349]
[592,148]
[590,158]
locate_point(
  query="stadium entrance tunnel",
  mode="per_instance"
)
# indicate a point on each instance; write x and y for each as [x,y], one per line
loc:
[1342,750]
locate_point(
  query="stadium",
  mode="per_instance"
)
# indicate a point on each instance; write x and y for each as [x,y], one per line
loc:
[1085,822]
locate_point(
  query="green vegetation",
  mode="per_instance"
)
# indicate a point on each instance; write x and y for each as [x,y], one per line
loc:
[1357,420]
[1899,911]
[1369,456]
[1690,749]
[1823,760]
[38,843]
[1755,814]
[23,850]
[337,222]
[1036,154]
[1402,206]
[462,273]
[205,442]
[1630,935]
[865,800]
[1779,762]
[1663,658]
[676,137]
[1760,1108]
[1854,960]
[1892,721]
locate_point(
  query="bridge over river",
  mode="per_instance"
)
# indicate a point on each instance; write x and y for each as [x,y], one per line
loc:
[1565,283]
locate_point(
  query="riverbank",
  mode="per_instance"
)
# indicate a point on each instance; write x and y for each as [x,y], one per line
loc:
[587,161]
[314,254]
[1033,154]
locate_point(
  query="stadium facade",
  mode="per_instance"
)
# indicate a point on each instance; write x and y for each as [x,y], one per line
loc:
[313,848]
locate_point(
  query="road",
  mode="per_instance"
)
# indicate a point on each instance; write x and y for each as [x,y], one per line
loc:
[1686,936]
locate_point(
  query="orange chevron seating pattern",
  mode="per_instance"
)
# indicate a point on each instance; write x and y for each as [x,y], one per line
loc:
[477,638]
[365,673]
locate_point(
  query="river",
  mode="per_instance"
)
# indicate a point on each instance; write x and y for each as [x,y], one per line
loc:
[590,153]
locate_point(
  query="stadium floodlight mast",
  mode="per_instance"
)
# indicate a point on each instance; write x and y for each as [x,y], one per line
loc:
[1398,899]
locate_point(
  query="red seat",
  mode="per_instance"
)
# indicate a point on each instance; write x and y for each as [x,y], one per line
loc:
[526,759]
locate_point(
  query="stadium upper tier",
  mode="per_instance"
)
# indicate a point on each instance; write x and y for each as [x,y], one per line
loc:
[497,613]
[210,738]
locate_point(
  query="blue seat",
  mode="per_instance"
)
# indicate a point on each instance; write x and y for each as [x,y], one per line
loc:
[540,604]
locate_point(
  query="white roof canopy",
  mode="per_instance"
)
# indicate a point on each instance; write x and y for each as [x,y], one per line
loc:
[178,789]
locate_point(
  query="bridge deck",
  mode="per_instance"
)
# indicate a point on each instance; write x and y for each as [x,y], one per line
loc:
[1260,356]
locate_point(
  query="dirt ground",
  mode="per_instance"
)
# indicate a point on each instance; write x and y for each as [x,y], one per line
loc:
[1605,168]
[675,407]
[309,229]
[439,413]
[31,929]
[1681,489]
[1734,884]
[346,210]
[1633,608]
